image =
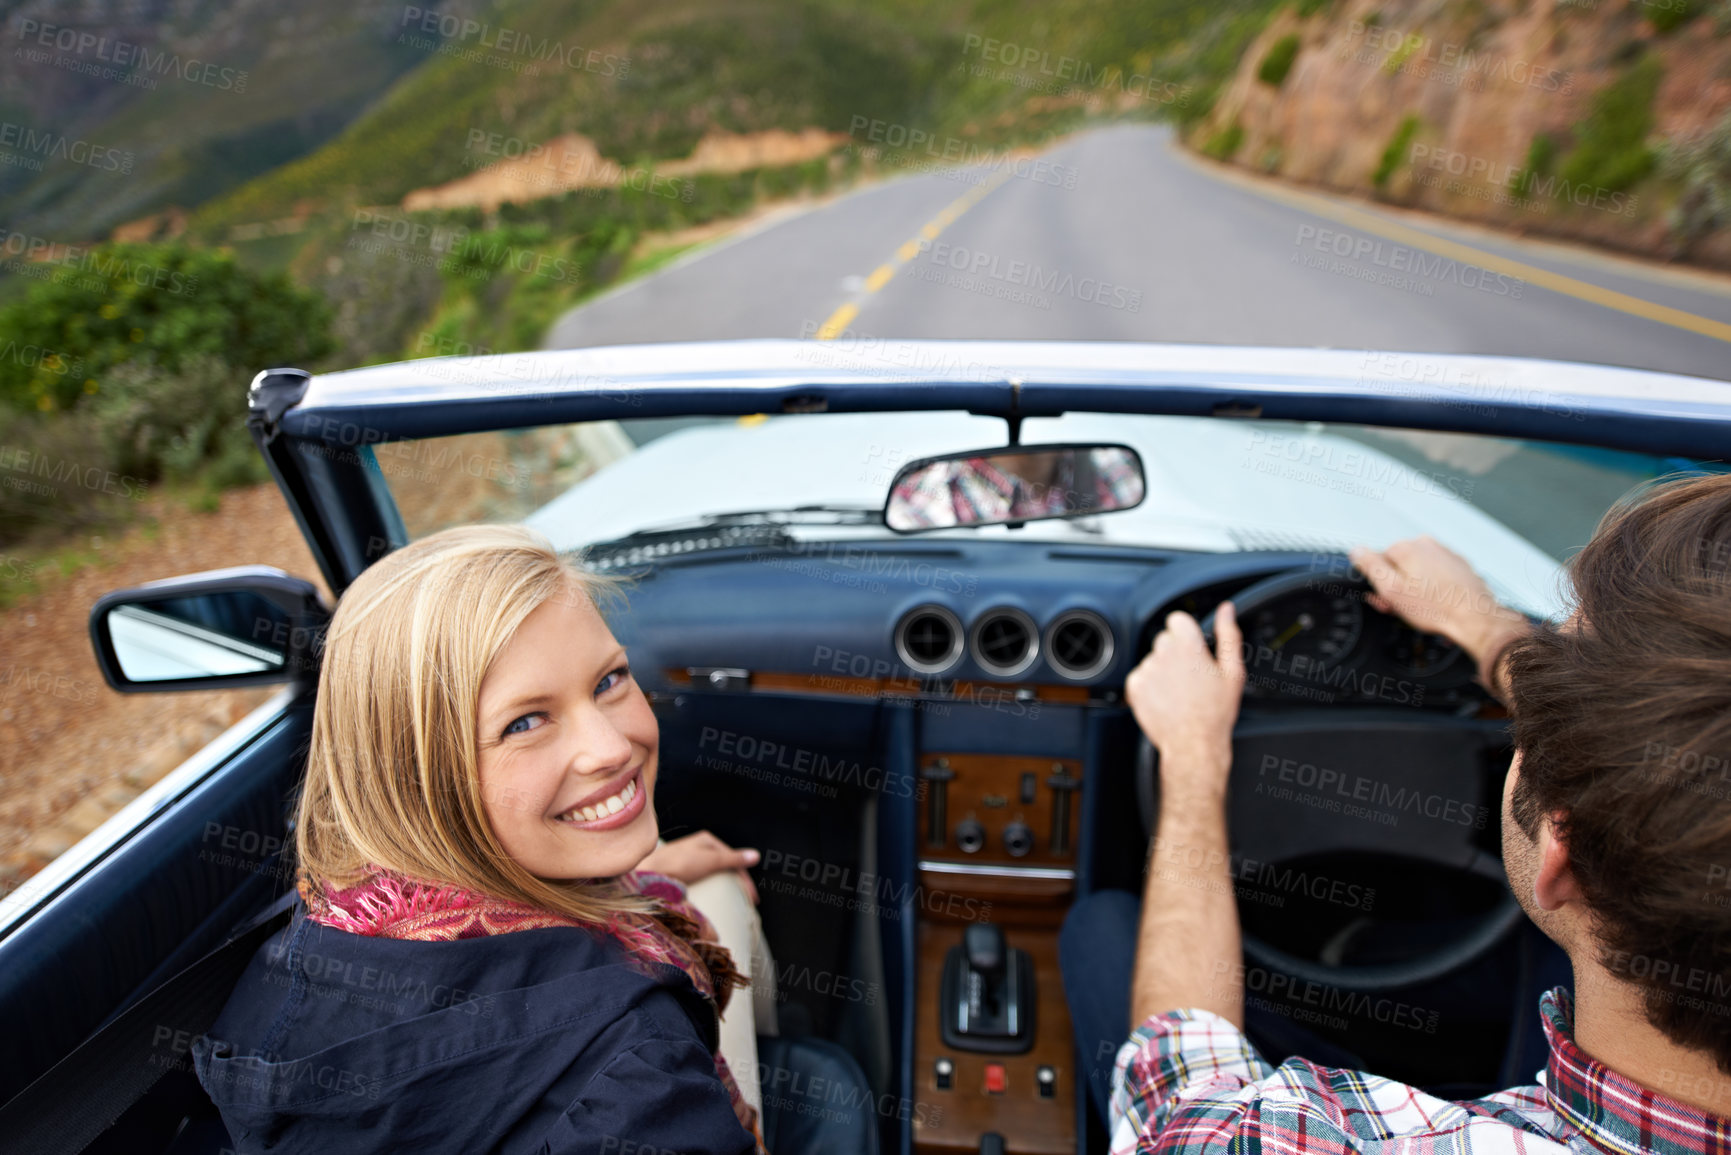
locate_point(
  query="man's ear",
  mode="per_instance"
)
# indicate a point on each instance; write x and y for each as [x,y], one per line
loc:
[1554,884]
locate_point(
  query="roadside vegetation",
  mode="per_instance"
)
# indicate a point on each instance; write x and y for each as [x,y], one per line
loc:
[123,367]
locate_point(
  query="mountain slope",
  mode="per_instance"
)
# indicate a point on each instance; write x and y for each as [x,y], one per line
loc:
[122,107]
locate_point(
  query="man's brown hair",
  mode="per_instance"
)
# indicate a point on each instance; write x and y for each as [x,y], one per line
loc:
[1623,721]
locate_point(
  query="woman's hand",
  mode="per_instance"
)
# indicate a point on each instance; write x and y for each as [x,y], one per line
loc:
[697,856]
[1186,700]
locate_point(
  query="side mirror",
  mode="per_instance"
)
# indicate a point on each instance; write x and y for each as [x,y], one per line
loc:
[247,626]
[1012,485]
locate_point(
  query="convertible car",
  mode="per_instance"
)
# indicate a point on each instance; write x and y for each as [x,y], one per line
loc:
[884,597]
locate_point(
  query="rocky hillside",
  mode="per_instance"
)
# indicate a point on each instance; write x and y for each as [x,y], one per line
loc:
[153,116]
[1602,120]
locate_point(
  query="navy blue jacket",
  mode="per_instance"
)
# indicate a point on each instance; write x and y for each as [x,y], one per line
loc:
[537,1040]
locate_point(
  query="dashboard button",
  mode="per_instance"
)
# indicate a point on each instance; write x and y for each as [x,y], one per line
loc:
[995,1079]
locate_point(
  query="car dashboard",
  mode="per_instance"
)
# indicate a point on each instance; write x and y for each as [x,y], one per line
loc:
[969,697]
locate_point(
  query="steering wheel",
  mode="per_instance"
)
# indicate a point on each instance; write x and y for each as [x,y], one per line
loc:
[1431,760]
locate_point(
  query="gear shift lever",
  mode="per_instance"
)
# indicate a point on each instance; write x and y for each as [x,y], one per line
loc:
[987,996]
[985,946]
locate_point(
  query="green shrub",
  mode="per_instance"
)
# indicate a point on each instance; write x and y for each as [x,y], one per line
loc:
[1700,167]
[89,466]
[55,471]
[101,307]
[1223,144]
[1308,8]
[1278,60]
[1396,152]
[1667,15]
[1612,152]
[178,425]
[1541,161]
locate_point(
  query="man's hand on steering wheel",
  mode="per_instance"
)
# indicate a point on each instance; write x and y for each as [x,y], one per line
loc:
[1186,700]
[1434,589]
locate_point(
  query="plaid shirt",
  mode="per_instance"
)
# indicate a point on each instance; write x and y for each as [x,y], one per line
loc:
[1189,1082]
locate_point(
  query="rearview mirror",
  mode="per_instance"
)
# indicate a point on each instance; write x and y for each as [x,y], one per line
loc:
[248,626]
[1014,484]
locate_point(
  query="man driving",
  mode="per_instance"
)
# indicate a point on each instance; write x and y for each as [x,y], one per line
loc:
[1616,835]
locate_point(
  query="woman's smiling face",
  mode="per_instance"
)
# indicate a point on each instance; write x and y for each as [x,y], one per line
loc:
[567,747]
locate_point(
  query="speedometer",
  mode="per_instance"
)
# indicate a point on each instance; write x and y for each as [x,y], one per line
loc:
[1420,654]
[1311,624]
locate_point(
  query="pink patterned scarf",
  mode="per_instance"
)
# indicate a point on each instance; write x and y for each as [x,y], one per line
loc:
[389,905]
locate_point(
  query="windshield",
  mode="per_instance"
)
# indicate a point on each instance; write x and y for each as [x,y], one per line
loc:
[1516,508]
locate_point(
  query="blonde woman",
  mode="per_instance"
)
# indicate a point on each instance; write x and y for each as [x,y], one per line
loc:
[494,953]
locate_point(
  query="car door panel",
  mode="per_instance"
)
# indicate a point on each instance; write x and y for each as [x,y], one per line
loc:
[157,902]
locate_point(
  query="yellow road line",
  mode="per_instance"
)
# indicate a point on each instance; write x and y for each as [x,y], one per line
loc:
[907,251]
[1532,274]
[838,321]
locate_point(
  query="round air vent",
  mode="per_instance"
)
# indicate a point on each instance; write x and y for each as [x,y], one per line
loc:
[929,639]
[1005,641]
[1079,644]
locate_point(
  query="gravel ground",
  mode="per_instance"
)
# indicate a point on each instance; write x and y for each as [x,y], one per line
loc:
[72,751]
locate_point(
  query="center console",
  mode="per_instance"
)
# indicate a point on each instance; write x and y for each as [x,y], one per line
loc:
[993,1053]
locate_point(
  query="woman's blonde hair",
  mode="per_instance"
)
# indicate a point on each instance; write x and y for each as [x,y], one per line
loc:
[393,775]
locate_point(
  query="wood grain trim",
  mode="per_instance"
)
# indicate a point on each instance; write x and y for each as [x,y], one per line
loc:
[987,789]
[949,1122]
[818,683]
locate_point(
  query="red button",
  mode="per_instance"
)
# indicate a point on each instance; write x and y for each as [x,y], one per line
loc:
[994,1078]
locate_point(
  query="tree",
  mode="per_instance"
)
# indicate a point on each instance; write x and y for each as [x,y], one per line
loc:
[93,309]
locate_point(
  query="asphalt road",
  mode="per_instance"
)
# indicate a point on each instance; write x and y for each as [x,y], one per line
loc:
[1119,236]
